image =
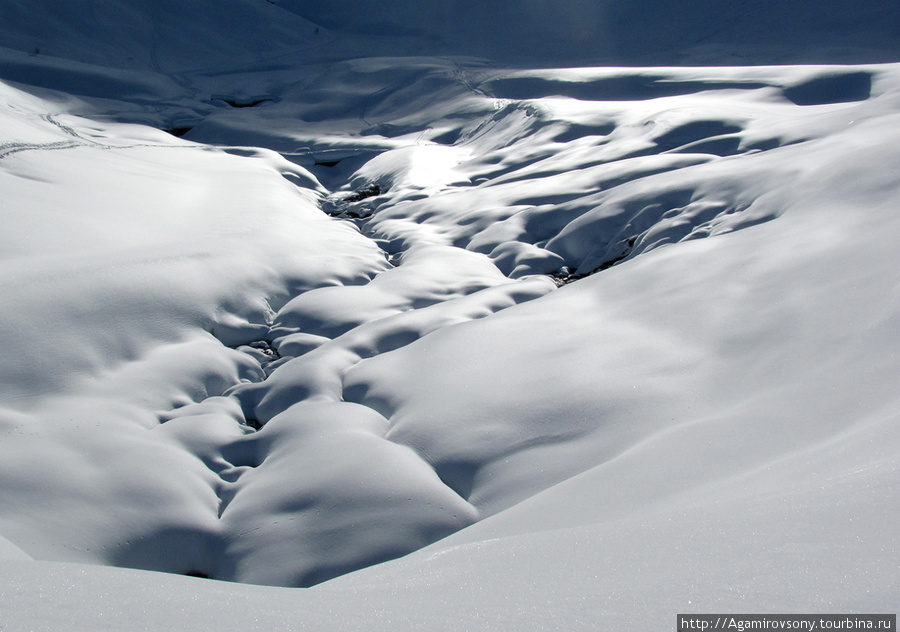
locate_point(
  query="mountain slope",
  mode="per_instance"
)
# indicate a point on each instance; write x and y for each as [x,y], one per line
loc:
[580,346]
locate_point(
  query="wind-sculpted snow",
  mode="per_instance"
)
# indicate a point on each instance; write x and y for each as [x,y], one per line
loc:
[568,341]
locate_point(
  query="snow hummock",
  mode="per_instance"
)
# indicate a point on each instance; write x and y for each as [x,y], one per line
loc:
[305,295]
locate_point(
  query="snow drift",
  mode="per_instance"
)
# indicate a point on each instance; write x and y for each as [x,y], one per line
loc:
[498,341]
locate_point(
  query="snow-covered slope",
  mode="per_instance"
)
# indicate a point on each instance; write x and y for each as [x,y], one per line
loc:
[562,347]
[172,36]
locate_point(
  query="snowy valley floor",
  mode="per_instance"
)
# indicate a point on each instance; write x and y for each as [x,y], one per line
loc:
[478,348]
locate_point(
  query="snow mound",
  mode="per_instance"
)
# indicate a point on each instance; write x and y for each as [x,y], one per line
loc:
[505,343]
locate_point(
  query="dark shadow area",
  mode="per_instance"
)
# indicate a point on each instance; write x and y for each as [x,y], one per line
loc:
[719,146]
[693,132]
[373,190]
[180,550]
[177,131]
[250,103]
[837,88]
[624,88]
[458,476]
[575,131]
[626,33]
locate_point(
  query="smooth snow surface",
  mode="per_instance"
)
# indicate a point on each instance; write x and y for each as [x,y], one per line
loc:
[477,316]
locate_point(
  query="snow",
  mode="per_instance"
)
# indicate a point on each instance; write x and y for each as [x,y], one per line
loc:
[510,316]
